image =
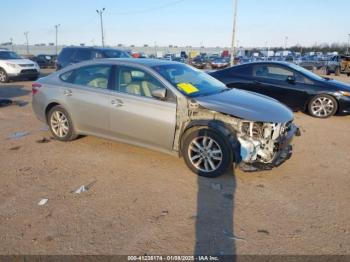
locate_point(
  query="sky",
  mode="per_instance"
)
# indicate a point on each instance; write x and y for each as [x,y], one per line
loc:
[260,23]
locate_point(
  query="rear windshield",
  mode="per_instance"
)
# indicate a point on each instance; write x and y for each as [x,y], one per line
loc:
[9,55]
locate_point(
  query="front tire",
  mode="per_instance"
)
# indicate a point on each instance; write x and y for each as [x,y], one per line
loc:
[60,124]
[3,76]
[323,106]
[206,152]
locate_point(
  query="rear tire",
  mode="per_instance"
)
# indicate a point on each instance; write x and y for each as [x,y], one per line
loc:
[323,106]
[3,76]
[337,71]
[60,124]
[206,152]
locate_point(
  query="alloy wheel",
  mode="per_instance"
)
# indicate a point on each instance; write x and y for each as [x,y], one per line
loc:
[2,76]
[205,154]
[59,124]
[322,107]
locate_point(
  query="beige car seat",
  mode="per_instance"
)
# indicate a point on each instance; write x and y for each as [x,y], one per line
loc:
[128,86]
[146,88]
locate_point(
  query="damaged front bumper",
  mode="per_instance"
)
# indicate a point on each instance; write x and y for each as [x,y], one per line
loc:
[283,153]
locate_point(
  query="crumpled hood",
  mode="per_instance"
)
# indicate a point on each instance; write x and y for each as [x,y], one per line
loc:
[248,106]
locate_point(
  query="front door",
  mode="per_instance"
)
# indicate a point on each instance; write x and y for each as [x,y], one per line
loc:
[136,116]
[272,80]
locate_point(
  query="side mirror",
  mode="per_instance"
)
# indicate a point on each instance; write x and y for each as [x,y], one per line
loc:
[291,79]
[159,93]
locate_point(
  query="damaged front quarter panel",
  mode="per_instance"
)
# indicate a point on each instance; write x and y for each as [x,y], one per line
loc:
[261,145]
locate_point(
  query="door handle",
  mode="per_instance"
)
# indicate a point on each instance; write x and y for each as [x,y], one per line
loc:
[117,102]
[68,92]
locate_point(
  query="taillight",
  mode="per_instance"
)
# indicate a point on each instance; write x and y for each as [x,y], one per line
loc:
[35,88]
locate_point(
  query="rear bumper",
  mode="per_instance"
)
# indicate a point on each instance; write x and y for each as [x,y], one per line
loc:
[283,154]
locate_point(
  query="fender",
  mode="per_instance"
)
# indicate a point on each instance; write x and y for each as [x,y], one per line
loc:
[223,129]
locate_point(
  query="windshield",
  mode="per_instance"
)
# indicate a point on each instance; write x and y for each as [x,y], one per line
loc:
[306,72]
[9,55]
[115,54]
[189,81]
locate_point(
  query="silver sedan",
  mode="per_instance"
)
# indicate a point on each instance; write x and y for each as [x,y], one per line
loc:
[169,107]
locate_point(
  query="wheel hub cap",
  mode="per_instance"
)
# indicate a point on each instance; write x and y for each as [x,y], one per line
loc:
[322,107]
[205,154]
[59,124]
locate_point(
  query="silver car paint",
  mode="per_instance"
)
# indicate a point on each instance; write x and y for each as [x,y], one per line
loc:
[141,121]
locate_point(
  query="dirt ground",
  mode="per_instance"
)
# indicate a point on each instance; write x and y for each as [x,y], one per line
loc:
[140,201]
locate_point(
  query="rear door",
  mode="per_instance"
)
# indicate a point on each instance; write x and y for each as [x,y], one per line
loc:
[136,116]
[87,97]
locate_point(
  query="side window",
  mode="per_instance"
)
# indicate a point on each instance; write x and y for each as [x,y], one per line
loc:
[242,71]
[136,82]
[299,78]
[96,76]
[271,72]
[83,54]
[66,54]
[97,55]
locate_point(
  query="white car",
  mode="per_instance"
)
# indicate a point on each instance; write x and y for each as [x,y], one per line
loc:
[12,66]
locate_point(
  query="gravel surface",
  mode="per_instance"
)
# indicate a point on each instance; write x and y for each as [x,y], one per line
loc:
[137,201]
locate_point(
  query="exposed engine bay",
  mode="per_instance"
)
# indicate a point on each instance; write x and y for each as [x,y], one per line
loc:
[260,141]
[262,145]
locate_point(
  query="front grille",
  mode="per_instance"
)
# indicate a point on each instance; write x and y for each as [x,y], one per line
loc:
[28,71]
[27,65]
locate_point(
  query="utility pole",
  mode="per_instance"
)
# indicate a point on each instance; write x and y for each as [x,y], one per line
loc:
[11,40]
[155,49]
[233,50]
[285,42]
[100,13]
[56,28]
[347,50]
[27,42]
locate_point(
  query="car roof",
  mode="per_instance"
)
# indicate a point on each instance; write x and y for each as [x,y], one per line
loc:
[266,63]
[145,62]
[92,48]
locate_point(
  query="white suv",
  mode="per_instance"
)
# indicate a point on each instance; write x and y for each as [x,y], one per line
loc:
[12,66]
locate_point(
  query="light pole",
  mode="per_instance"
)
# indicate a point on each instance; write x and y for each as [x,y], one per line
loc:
[285,42]
[11,40]
[27,42]
[233,46]
[100,13]
[347,50]
[56,28]
[155,49]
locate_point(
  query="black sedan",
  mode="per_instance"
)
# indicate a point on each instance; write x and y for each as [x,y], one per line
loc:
[290,84]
